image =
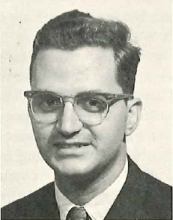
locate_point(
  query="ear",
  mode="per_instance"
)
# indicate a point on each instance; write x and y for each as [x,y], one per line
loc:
[134,114]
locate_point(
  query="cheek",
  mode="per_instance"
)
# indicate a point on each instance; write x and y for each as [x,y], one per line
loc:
[42,133]
[112,129]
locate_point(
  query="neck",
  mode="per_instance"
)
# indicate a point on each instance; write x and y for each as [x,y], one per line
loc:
[82,189]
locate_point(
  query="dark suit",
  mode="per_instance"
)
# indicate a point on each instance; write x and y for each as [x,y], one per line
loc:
[142,197]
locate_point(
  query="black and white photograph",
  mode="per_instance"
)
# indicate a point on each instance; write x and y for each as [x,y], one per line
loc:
[86,110]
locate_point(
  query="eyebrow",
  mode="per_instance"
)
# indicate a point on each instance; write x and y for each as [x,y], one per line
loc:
[93,92]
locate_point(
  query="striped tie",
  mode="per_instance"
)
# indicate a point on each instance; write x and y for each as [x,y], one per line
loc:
[77,213]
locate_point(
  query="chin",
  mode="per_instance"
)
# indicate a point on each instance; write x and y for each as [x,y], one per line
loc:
[72,170]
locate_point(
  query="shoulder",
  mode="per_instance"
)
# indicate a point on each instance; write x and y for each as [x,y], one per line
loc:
[158,195]
[155,195]
[31,205]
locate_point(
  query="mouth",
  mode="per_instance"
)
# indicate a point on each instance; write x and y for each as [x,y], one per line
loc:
[70,145]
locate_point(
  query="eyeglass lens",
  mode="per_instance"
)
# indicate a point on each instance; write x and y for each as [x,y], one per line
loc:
[90,109]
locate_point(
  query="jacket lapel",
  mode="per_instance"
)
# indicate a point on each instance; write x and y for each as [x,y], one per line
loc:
[47,204]
[129,203]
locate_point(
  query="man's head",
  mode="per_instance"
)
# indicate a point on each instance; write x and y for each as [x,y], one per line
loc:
[74,29]
[81,67]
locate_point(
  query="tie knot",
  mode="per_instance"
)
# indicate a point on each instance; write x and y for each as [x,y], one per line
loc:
[77,213]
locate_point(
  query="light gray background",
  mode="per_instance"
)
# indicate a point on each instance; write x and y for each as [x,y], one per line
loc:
[23,169]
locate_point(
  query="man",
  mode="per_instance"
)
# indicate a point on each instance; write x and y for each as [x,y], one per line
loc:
[81,107]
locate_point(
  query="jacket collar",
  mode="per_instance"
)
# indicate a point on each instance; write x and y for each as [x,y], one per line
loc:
[47,208]
[129,203]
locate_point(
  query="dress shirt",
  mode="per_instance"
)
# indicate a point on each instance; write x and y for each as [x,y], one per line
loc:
[99,206]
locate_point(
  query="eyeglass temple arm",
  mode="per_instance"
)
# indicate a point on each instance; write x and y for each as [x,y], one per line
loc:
[117,98]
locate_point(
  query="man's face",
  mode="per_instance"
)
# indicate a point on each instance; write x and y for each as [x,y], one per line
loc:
[69,146]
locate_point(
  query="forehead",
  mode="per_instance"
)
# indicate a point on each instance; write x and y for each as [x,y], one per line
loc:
[86,68]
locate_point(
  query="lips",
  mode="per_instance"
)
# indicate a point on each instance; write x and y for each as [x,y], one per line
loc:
[66,145]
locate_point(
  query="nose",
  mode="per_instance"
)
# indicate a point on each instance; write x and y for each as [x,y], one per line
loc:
[69,124]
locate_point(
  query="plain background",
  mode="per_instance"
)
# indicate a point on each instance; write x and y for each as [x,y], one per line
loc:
[23,169]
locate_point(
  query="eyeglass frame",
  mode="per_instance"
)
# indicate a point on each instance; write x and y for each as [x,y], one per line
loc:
[113,98]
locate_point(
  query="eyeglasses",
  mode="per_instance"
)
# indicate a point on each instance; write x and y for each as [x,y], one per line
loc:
[91,108]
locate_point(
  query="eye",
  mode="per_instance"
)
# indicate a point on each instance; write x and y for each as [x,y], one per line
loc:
[49,102]
[92,104]
[46,103]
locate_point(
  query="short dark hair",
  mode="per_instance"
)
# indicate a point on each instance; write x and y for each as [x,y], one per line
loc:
[75,29]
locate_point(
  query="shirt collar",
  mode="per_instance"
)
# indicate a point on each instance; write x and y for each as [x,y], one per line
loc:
[99,206]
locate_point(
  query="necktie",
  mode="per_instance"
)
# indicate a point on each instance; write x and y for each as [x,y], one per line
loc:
[77,213]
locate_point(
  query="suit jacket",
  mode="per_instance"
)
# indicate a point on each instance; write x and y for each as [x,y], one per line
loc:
[142,197]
